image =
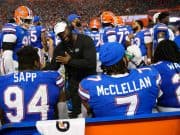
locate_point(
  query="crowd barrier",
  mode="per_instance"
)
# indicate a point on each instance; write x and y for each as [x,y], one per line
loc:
[166,123]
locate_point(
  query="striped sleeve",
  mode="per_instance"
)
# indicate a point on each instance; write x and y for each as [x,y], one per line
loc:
[9,29]
[162,28]
[158,80]
[43,29]
[60,81]
[84,94]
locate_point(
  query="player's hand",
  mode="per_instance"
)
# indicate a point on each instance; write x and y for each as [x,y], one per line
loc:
[148,61]
[63,59]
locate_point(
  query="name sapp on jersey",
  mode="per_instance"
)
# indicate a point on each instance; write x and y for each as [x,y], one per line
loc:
[24,76]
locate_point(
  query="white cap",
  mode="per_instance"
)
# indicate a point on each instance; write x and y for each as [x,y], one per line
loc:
[60,27]
[10,38]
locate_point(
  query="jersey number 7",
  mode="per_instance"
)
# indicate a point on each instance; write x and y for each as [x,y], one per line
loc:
[131,101]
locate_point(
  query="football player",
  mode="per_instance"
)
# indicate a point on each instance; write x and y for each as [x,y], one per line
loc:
[122,30]
[160,30]
[51,43]
[15,35]
[119,91]
[95,26]
[74,21]
[108,33]
[38,34]
[167,58]
[29,95]
[38,38]
[142,38]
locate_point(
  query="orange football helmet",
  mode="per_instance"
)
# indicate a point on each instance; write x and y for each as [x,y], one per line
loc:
[118,20]
[23,15]
[94,23]
[107,17]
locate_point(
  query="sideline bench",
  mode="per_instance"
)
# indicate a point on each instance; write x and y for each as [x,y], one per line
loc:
[166,123]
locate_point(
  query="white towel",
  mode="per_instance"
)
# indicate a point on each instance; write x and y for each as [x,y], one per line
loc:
[61,127]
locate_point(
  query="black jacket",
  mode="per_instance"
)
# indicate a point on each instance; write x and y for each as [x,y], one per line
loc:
[83,58]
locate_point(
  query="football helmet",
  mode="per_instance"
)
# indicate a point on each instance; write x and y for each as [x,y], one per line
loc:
[23,15]
[107,17]
[94,23]
[118,20]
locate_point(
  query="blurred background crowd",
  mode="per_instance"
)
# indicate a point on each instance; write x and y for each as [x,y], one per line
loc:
[51,10]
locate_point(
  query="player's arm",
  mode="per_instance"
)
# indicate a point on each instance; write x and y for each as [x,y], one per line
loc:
[85,108]
[61,110]
[8,43]
[148,42]
[171,34]
[129,36]
[50,47]
[54,65]
[128,39]
[44,40]
[149,53]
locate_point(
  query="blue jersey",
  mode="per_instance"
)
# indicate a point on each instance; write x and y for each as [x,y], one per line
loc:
[177,41]
[95,35]
[52,35]
[131,94]
[0,40]
[170,85]
[29,96]
[36,36]
[122,32]
[87,32]
[23,36]
[129,29]
[159,28]
[109,35]
[142,38]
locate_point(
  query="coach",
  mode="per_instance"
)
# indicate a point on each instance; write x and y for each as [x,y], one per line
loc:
[78,54]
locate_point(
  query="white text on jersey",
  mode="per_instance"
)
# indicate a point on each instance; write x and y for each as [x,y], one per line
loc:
[124,88]
[24,77]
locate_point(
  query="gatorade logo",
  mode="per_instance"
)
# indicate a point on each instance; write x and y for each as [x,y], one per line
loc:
[62,126]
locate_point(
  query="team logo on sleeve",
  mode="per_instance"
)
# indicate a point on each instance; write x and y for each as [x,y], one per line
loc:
[62,126]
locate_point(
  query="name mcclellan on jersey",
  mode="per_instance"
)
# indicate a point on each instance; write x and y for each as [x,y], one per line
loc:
[124,88]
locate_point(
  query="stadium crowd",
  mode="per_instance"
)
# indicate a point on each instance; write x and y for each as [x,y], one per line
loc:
[51,10]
